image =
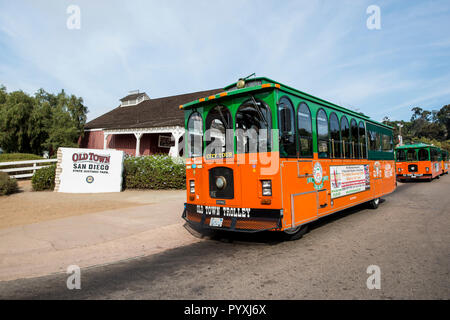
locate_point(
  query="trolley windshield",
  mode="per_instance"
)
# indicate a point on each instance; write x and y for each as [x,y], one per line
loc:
[253,127]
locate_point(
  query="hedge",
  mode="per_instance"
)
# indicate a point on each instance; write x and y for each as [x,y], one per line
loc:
[8,157]
[154,172]
[44,179]
[7,185]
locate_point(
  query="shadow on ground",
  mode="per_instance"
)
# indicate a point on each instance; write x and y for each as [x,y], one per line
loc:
[268,237]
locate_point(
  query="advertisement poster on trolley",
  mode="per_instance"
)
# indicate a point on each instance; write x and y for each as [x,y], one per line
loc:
[346,180]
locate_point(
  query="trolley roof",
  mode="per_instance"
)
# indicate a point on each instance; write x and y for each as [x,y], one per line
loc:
[415,146]
[263,83]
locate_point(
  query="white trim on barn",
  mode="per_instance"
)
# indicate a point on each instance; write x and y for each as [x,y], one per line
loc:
[177,132]
[93,130]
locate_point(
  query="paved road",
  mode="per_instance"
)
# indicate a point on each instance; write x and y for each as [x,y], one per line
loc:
[407,237]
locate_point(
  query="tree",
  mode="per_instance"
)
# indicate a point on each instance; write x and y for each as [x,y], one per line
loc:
[62,130]
[15,115]
[417,113]
[425,126]
[77,112]
[443,117]
[43,122]
[40,122]
[67,121]
[3,94]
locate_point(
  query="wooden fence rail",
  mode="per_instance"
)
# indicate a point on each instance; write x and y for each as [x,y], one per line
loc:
[23,167]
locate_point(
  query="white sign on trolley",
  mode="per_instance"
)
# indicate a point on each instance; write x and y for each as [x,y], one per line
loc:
[89,170]
[347,180]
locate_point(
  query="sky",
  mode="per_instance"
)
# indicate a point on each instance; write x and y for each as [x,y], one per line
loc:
[171,47]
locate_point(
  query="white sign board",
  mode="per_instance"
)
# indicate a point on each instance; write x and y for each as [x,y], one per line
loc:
[347,180]
[89,170]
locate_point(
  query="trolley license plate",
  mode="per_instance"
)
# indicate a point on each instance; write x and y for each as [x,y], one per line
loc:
[216,222]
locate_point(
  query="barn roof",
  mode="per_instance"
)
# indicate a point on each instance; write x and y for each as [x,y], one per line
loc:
[160,112]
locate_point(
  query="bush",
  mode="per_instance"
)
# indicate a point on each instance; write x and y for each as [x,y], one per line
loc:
[7,184]
[8,157]
[44,179]
[154,172]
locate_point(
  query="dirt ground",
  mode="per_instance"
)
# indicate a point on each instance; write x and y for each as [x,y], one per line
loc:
[28,207]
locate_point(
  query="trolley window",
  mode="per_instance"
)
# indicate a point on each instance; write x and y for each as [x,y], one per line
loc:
[362,141]
[195,135]
[345,130]
[354,129]
[253,127]
[335,133]
[374,141]
[322,134]
[401,155]
[423,155]
[411,155]
[387,143]
[286,122]
[304,131]
[434,155]
[217,122]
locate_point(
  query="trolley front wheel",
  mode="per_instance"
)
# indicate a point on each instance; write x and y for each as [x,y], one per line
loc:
[295,233]
[373,204]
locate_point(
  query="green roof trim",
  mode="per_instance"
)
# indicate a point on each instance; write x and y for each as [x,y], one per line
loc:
[263,80]
[415,146]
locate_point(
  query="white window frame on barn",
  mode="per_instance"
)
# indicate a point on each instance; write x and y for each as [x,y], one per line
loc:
[162,142]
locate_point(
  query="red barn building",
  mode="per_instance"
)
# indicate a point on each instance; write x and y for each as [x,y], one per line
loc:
[141,125]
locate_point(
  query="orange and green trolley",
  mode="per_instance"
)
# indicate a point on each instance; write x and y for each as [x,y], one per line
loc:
[418,161]
[445,162]
[281,159]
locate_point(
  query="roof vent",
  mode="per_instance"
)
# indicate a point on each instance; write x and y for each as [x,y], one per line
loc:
[133,98]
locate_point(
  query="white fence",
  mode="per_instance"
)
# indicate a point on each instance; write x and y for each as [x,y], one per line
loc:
[34,165]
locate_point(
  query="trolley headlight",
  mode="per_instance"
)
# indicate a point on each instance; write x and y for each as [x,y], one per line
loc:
[221,183]
[428,169]
[266,188]
[399,169]
[192,186]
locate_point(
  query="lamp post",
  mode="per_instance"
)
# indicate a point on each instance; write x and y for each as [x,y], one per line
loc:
[400,138]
